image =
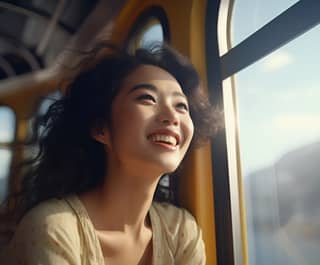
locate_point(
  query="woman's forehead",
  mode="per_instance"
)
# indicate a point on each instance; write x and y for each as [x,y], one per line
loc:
[150,73]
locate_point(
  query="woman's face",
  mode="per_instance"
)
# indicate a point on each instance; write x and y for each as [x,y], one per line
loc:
[151,128]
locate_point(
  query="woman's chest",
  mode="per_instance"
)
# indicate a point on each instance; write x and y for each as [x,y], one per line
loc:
[119,252]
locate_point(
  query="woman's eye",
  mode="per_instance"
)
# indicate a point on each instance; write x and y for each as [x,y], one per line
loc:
[146,97]
[183,106]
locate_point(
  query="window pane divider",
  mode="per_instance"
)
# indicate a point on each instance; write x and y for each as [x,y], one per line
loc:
[284,28]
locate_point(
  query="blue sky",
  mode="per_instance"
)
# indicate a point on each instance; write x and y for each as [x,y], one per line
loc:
[278,97]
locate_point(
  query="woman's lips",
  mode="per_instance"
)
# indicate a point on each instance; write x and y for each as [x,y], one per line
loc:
[165,136]
[167,145]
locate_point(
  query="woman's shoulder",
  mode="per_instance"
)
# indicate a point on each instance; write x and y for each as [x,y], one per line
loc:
[50,218]
[49,214]
[48,228]
[174,218]
[177,228]
[171,212]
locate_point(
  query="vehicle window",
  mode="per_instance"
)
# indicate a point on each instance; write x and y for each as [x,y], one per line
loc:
[251,15]
[7,124]
[150,32]
[7,135]
[279,125]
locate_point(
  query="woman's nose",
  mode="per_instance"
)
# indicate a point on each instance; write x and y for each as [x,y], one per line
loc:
[168,115]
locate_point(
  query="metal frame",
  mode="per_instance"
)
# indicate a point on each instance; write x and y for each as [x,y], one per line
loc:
[221,184]
[51,27]
[273,35]
[53,21]
[17,47]
[35,13]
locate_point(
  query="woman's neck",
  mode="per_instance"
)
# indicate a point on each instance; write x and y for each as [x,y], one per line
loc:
[122,203]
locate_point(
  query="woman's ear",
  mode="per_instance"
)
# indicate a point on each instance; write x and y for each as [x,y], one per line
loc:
[102,135]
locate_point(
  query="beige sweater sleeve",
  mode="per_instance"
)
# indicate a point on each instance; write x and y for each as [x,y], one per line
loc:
[47,235]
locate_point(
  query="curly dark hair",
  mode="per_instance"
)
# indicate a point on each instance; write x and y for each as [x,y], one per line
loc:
[69,160]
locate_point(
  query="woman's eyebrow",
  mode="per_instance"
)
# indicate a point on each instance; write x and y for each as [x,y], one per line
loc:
[179,94]
[154,88]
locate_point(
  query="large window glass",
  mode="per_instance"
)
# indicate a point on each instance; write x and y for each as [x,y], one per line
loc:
[279,124]
[7,133]
[251,15]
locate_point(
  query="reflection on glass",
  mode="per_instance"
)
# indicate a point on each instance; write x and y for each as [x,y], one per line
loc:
[251,15]
[279,119]
[5,159]
[153,33]
[7,124]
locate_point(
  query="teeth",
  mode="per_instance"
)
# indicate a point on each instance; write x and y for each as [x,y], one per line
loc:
[164,138]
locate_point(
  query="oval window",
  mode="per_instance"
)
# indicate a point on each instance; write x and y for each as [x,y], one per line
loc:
[153,32]
[151,27]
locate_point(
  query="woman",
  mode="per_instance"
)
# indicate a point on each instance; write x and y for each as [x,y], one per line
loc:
[87,198]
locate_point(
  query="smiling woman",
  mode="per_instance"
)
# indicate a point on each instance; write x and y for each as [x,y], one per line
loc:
[155,110]
[87,197]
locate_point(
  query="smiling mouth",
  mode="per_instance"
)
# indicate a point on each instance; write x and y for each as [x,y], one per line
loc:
[168,140]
